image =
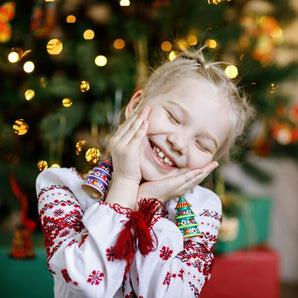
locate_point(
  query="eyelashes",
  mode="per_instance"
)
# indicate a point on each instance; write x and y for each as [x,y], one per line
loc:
[173,118]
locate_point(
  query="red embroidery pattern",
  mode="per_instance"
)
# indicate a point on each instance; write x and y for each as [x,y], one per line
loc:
[110,254]
[60,216]
[212,214]
[65,275]
[95,277]
[165,253]
[197,257]
[168,278]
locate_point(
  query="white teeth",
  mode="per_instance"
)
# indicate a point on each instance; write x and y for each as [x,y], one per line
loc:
[162,157]
[160,154]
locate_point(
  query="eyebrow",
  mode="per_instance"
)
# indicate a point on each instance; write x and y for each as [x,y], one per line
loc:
[185,112]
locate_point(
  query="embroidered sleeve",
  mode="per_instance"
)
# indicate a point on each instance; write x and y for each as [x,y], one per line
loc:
[178,267]
[80,244]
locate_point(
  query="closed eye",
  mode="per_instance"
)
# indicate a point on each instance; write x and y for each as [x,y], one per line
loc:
[173,118]
[202,147]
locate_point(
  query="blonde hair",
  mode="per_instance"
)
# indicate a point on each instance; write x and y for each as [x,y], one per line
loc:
[193,62]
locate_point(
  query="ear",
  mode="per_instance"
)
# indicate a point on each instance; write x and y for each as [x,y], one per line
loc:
[133,103]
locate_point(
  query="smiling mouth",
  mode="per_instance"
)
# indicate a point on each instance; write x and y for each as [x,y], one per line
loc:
[161,156]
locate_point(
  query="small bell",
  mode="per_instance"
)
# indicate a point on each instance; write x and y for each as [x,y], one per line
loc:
[98,180]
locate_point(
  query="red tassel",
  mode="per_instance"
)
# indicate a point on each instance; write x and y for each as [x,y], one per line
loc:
[125,247]
[137,231]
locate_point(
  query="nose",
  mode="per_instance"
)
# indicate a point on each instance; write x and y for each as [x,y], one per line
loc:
[177,143]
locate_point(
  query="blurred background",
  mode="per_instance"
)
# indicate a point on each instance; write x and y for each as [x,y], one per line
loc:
[67,68]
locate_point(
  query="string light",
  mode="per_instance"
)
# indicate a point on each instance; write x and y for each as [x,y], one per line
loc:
[79,146]
[88,34]
[55,165]
[20,127]
[29,94]
[183,44]
[211,43]
[172,56]
[92,155]
[166,46]
[231,71]
[192,39]
[71,19]
[124,3]
[101,60]
[13,57]
[67,102]
[42,165]
[119,44]
[85,86]
[54,46]
[28,66]
[273,88]
[216,1]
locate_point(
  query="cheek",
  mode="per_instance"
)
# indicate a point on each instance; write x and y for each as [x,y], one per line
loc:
[199,160]
[156,122]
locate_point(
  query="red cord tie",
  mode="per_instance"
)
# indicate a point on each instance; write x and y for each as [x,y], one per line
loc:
[137,231]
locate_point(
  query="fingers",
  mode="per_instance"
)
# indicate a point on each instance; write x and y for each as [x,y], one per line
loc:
[132,126]
[190,179]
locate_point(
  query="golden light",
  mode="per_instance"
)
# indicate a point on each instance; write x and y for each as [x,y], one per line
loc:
[28,66]
[183,44]
[88,34]
[119,44]
[20,127]
[43,82]
[101,60]
[211,43]
[29,94]
[166,46]
[172,56]
[55,165]
[273,88]
[192,39]
[54,46]
[283,136]
[92,155]
[231,71]
[13,57]
[42,165]
[79,146]
[66,102]
[71,19]
[124,2]
[85,86]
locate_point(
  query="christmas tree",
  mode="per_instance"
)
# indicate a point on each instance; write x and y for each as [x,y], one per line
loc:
[185,219]
[67,68]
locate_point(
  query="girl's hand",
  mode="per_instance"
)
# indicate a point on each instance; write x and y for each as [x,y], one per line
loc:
[173,187]
[126,145]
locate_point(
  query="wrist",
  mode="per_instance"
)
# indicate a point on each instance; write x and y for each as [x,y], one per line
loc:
[123,191]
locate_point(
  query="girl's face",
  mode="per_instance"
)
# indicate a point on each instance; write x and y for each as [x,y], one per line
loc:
[187,125]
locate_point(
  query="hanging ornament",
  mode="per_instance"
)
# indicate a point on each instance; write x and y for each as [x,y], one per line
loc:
[185,219]
[98,180]
[7,13]
[43,19]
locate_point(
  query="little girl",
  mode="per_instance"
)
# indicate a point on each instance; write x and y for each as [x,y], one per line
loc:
[186,117]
